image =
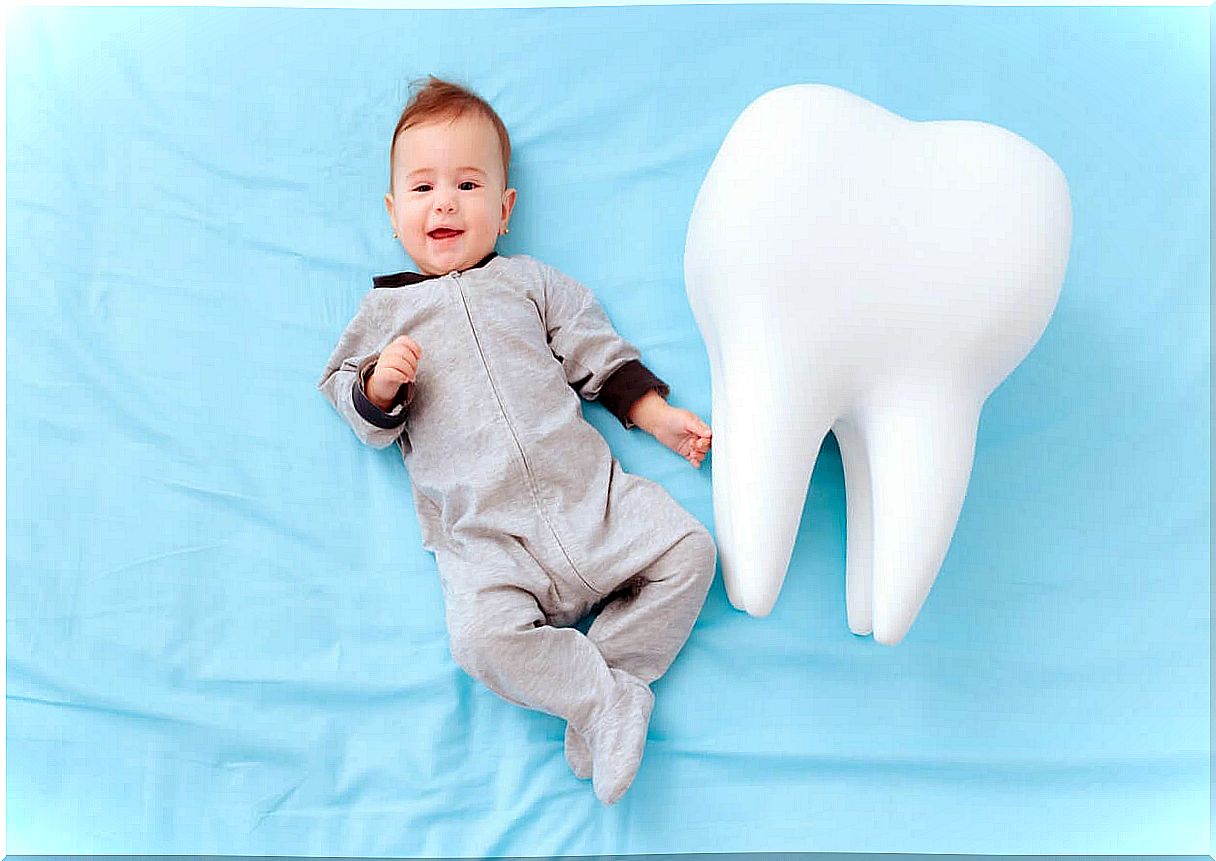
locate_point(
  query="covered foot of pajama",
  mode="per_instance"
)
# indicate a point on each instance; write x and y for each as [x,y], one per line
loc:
[578,755]
[617,737]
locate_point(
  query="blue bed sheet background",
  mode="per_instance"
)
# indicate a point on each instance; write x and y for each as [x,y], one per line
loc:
[223,635]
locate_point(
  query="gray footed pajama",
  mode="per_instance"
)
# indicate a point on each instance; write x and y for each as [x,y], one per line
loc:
[532,521]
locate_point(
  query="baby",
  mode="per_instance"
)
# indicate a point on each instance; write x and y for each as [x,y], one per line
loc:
[471,365]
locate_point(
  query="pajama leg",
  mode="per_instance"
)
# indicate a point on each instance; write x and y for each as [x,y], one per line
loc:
[641,630]
[500,636]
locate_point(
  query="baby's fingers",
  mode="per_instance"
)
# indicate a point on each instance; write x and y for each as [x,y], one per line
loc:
[692,451]
[405,344]
[398,370]
[693,424]
[694,448]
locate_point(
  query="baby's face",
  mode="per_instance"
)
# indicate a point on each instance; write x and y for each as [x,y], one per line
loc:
[449,202]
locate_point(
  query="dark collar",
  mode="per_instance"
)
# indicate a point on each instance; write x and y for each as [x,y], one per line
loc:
[401,279]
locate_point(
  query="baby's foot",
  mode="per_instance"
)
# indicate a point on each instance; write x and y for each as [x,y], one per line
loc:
[617,737]
[577,754]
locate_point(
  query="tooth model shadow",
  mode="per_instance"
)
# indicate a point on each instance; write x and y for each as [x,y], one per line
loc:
[854,271]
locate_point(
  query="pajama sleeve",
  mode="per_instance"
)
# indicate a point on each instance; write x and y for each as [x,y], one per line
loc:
[598,362]
[349,366]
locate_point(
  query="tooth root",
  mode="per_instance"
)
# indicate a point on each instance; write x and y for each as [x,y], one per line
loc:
[916,447]
[765,446]
[859,519]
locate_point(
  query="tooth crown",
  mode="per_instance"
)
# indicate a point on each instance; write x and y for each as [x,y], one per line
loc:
[856,271]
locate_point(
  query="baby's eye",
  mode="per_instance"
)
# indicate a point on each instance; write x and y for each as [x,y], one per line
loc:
[467,185]
[423,187]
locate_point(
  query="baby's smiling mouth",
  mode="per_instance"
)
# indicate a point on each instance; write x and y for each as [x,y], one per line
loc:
[443,233]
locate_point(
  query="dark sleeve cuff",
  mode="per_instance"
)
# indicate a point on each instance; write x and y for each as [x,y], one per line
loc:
[628,383]
[395,416]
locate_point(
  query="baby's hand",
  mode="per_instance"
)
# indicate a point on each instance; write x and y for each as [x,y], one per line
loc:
[684,433]
[397,365]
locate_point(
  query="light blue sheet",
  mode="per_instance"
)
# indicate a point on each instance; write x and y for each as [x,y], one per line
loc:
[222,634]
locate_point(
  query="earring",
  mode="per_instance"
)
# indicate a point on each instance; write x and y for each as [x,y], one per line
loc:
[394,234]
[505,231]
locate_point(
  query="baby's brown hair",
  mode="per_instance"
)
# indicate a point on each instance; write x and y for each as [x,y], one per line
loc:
[436,99]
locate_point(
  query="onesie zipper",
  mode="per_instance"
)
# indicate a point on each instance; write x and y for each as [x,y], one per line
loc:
[514,437]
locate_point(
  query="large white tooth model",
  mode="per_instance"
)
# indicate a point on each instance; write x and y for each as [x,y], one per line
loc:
[854,271]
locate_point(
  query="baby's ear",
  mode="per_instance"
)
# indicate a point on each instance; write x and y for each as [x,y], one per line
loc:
[508,204]
[388,204]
